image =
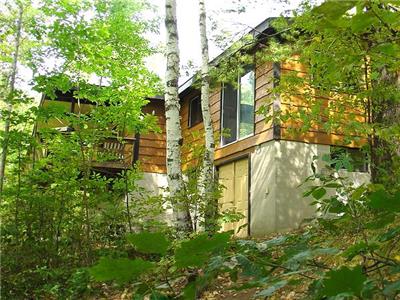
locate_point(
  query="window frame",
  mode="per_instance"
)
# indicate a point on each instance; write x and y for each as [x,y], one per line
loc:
[249,69]
[190,123]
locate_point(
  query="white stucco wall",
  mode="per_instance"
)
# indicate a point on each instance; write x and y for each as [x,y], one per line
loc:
[295,161]
[277,170]
[263,170]
[357,178]
[155,184]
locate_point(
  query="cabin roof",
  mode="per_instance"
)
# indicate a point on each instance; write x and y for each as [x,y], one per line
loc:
[261,30]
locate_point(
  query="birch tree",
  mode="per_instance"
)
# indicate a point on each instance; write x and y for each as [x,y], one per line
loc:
[173,126]
[207,172]
[10,94]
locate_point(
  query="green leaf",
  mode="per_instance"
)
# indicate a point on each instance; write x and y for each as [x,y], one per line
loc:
[150,242]
[299,257]
[337,206]
[381,221]
[343,281]
[361,22]
[395,269]
[272,242]
[334,9]
[392,288]
[389,49]
[233,274]
[294,261]
[195,252]
[333,185]
[216,262]
[383,201]
[159,296]
[249,268]
[357,193]
[358,248]
[325,251]
[119,269]
[189,291]
[319,193]
[390,234]
[271,290]
[308,193]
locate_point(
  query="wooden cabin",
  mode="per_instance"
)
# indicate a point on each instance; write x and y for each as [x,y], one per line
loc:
[260,163]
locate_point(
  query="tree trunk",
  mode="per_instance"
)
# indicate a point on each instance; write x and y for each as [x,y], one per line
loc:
[3,157]
[173,126]
[206,180]
[385,151]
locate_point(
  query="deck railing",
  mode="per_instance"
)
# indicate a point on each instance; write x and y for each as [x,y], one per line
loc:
[110,153]
[115,153]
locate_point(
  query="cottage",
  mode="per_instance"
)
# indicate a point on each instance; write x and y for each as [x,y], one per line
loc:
[260,163]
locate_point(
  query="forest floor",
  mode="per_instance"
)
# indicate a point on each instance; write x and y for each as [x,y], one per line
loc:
[225,289]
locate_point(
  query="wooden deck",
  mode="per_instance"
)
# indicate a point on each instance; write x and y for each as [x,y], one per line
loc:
[115,153]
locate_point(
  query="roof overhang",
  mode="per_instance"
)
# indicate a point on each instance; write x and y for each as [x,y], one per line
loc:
[261,31]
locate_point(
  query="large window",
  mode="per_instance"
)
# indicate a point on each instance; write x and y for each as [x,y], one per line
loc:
[238,109]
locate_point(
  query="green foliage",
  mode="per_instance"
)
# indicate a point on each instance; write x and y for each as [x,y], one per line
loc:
[344,282]
[60,214]
[392,289]
[155,273]
[357,249]
[332,10]
[381,200]
[63,224]
[349,58]
[205,211]
[271,290]
[195,252]
[148,242]
[120,269]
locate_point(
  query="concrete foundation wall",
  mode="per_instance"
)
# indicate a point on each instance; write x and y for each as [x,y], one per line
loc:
[294,165]
[263,170]
[156,183]
[357,178]
[277,170]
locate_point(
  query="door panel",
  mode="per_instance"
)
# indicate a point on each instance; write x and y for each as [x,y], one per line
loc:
[234,177]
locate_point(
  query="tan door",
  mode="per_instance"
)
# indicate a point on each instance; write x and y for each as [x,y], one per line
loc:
[234,177]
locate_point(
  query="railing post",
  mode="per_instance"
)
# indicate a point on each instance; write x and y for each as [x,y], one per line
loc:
[135,154]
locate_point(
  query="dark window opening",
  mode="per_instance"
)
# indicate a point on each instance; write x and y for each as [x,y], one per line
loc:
[229,114]
[352,159]
[195,114]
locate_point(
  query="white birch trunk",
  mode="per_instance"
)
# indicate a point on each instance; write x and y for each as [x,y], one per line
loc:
[206,179]
[3,157]
[173,125]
